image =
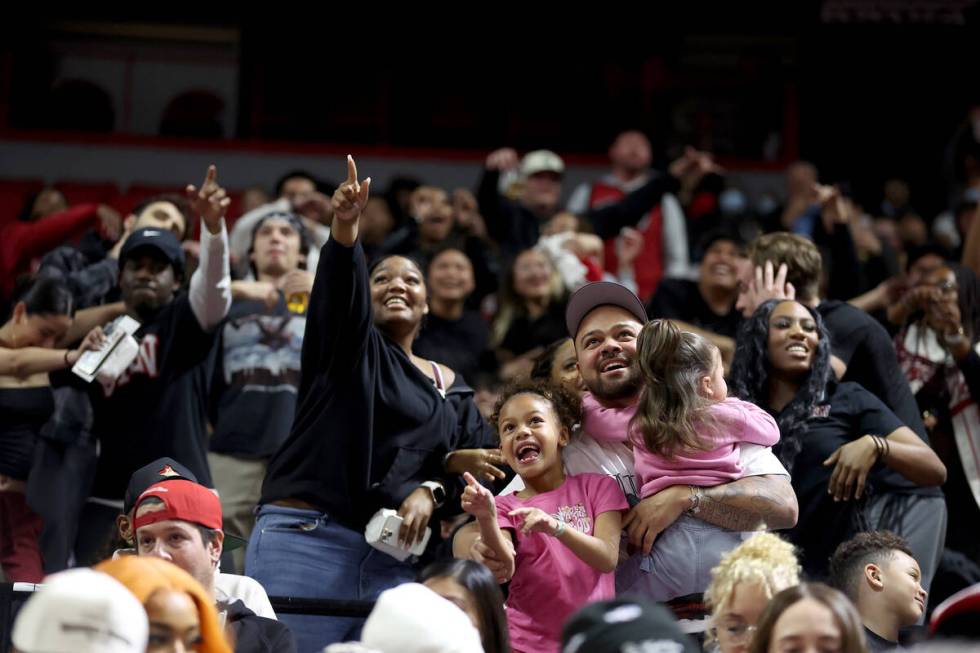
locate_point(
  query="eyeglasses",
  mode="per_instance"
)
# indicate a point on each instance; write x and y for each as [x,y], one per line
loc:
[734,632]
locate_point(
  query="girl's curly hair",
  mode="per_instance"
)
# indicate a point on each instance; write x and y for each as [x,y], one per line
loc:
[750,378]
[567,407]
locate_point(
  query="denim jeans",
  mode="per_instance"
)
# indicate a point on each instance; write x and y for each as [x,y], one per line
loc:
[680,562]
[303,553]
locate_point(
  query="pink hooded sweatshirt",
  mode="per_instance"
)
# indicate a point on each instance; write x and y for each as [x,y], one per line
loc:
[734,421]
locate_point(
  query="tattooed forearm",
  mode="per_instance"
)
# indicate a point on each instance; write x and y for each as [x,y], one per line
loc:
[750,503]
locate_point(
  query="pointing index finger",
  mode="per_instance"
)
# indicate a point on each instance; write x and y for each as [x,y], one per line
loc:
[351,170]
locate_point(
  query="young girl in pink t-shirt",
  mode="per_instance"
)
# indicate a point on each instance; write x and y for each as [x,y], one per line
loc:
[687,431]
[561,533]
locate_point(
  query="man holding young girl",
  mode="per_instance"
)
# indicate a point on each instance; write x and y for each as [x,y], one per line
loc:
[605,321]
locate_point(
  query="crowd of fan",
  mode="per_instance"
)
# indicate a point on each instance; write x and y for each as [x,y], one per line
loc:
[584,407]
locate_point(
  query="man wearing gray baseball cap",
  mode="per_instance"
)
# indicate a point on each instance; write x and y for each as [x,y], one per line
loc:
[604,320]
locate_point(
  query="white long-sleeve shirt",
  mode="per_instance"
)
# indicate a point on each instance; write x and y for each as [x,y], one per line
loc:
[210,288]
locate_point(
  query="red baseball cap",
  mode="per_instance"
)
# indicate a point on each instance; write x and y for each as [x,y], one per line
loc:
[184,501]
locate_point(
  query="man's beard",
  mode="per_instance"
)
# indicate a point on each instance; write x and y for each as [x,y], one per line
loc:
[619,389]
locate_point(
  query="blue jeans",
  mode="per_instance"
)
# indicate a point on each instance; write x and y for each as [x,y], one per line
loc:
[303,553]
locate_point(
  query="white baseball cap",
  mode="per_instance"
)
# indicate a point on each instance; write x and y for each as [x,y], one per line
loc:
[411,618]
[541,161]
[81,611]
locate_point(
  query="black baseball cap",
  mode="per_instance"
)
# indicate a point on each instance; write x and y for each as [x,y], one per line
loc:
[165,469]
[624,625]
[161,469]
[601,293]
[721,233]
[161,240]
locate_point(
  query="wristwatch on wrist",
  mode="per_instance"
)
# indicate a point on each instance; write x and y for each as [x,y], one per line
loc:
[695,500]
[438,492]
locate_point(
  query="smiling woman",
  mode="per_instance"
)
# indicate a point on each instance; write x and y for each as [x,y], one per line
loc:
[453,334]
[374,423]
[531,314]
[854,465]
[398,298]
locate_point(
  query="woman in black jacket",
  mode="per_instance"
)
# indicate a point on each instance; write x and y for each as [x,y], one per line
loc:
[373,424]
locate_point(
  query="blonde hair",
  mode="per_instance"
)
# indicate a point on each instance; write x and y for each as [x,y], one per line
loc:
[765,559]
[511,305]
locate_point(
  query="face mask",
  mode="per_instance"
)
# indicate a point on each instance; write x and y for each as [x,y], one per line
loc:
[732,202]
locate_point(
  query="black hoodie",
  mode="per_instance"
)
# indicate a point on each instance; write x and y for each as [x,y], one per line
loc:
[255,634]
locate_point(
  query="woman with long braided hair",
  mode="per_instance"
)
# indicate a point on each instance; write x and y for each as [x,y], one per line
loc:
[854,465]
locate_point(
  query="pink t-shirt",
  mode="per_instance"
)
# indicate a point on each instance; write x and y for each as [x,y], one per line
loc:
[550,582]
[735,421]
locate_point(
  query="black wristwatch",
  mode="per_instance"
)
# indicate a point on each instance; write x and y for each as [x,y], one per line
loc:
[438,492]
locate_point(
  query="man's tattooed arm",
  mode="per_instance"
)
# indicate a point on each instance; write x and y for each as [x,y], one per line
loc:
[750,503]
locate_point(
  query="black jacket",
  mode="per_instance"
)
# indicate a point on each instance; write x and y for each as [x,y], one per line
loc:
[255,634]
[516,228]
[369,426]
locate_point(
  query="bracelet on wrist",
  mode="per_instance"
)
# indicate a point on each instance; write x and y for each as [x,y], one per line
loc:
[695,500]
[559,529]
[67,364]
[879,447]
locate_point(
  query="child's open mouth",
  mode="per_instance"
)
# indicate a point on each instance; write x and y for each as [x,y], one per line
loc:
[528,453]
